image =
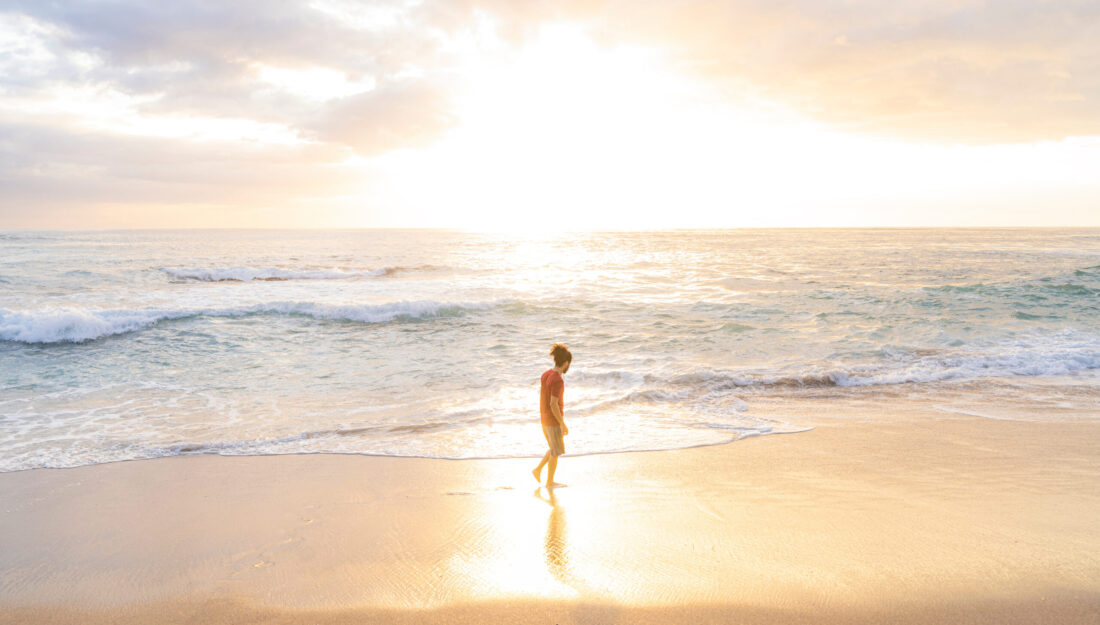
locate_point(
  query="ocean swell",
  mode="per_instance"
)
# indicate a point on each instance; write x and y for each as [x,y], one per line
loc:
[248,274]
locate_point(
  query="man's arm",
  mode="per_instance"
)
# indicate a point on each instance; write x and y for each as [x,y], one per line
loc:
[555,408]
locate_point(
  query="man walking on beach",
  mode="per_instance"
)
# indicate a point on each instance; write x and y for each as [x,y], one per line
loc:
[551,409]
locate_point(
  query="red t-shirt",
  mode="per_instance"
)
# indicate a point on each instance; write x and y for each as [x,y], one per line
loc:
[552,384]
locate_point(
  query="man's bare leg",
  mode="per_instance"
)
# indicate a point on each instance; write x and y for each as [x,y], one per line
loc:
[537,472]
[551,467]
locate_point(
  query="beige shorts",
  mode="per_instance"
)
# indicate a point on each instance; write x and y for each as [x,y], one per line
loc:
[554,439]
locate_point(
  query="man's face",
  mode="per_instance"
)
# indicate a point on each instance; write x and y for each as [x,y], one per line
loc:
[565,367]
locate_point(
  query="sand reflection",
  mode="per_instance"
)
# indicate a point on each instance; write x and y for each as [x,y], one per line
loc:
[517,540]
[557,556]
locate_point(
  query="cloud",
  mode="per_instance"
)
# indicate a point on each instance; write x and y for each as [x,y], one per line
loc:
[126,102]
[46,173]
[205,58]
[399,115]
[966,71]
[172,104]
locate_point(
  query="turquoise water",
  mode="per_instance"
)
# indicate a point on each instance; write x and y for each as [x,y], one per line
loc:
[138,344]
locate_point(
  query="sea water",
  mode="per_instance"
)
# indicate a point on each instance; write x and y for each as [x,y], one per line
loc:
[139,344]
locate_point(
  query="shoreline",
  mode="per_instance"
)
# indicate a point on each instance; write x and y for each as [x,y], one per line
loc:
[973,520]
[376,455]
[1059,398]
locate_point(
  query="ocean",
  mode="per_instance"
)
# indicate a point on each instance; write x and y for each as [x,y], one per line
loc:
[122,345]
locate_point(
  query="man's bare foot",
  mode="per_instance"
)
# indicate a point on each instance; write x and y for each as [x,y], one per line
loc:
[555,484]
[538,474]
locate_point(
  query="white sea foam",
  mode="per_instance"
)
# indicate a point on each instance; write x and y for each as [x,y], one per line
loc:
[1031,361]
[74,325]
[141,438]
[1052,354]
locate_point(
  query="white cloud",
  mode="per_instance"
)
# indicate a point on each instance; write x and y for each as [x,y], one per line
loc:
[315,84]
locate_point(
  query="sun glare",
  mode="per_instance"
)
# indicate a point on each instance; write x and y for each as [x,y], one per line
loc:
[567,125]
[566,134]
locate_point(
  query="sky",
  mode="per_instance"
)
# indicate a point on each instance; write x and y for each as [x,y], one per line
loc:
[567,115]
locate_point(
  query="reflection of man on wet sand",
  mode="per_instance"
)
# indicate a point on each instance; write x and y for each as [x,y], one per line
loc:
[565,570]
[551,407]
[556,559]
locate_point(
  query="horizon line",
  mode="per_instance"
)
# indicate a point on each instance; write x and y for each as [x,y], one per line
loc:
[556,232]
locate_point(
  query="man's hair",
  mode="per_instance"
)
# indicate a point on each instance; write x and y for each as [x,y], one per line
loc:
[561,354]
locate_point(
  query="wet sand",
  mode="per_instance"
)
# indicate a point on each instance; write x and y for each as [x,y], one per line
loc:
[917,517]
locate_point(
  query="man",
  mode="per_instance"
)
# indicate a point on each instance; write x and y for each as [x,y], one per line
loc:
[551,407]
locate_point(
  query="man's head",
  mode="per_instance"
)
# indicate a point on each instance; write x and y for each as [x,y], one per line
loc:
[562,357]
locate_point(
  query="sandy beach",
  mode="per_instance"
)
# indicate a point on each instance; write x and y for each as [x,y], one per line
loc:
[919,518]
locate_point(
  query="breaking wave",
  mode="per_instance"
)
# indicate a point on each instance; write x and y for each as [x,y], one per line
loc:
[1055,354]
[75,325]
